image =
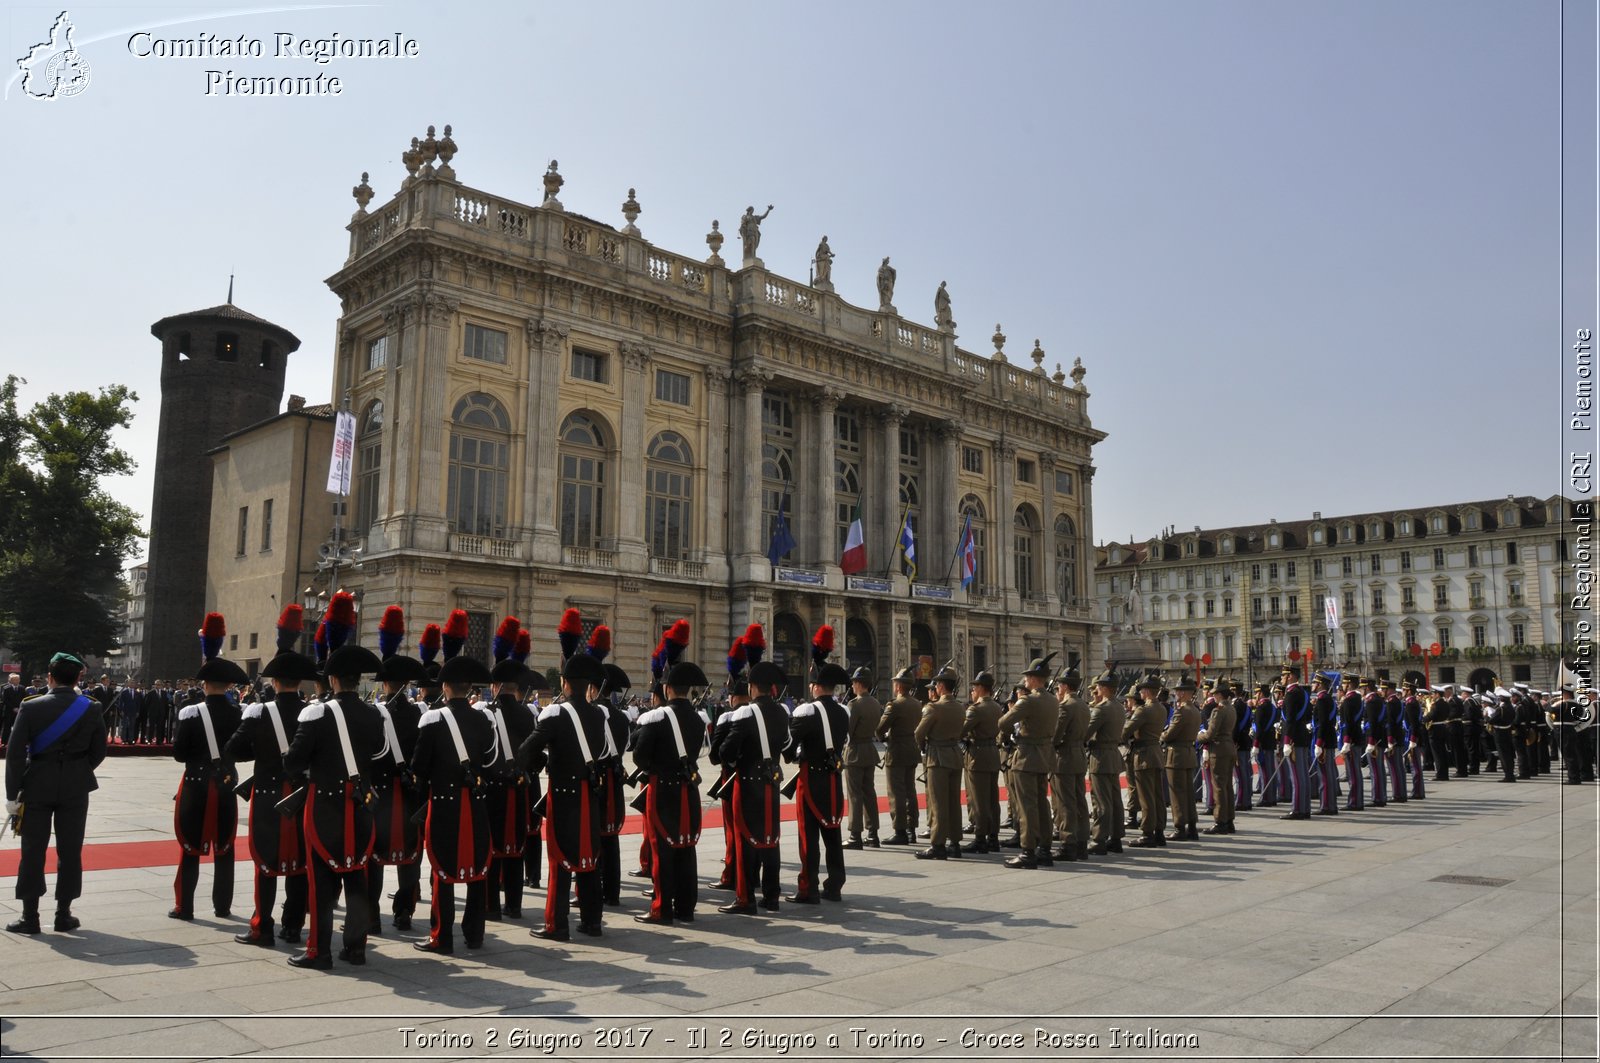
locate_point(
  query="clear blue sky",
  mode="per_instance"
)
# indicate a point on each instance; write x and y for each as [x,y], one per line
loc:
[1308,252]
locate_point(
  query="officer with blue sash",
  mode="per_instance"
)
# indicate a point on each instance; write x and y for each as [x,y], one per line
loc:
[57,741]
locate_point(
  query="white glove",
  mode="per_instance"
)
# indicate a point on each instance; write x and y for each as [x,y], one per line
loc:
[1288,751]
[1344,750]
[13,807]
[1411,748]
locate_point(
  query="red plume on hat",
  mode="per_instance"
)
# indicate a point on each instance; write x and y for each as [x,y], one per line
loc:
[737,656]
[291,623]
[319,641]
[600,642]
[391,630]
[212,630]
[658,659]
[677,640]
[340,619]
[570,632]
[755,644]
[454,635]
[505,639]
[428,647]
[822,644]
[524,646]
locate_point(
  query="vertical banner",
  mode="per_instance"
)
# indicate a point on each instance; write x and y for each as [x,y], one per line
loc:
[344,447]
[1331,609]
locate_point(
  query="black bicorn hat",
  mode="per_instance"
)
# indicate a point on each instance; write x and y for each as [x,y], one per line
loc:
[508,671]
[768,674]
[829,674]
[291,667]
[581,669]
[221,670]
[351,659]
[462,670]
[616,679]
[400,668]
[684,675]
[430,675]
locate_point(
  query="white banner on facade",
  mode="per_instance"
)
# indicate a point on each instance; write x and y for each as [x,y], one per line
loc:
[344,447]
[1331,608]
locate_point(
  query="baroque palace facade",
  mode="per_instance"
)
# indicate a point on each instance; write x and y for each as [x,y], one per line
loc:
[1489,581]
[552,412]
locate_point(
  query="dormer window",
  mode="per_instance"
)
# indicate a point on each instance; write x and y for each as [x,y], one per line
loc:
[1470,520]
[1555,512]
[1436,523]
[1226,544]
[1188,548]
[1347,533]
[1318,535]
[1274,540]
[1405,525]
[1375,530]
[1508,517]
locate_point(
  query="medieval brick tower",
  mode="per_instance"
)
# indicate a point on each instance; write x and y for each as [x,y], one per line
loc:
[221,370]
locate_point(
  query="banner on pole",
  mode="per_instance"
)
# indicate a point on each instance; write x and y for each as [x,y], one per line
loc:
[344,448]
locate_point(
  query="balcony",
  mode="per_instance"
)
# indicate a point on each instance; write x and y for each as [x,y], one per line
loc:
[588,557]
[485,547]
[677,568]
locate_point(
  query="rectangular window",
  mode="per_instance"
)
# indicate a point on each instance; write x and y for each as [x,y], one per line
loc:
[1472,555]
[1272,572]
[1349,603]
[1374,564]
[1350,649]
[1377,599]
[244,530]
[1410,635]
[1189,610]
[1155,643]
[233,643]
[266,527]
[1211,607]
[1380,643]
[1346,566]
[1438,557]
[1441,596]
[1319,604]
[1288,569]
[1294,604]
[1513,592]
[1211,645]
[1258,647]
[1255,607]
[1227,647]
[1511,553]
[1316,569]
[1255,572]
[1408,598]
[588,365]
[1294,643]
[972,460]
[1063,482]
[1480,636]
[1519,634]
[485,345]
[672,387]
[1475,593]
[1227,607]
[1276,605]
[1444,638]
[252,640]
[1024,471]
[1405,561]
[377,353]
[1194,646]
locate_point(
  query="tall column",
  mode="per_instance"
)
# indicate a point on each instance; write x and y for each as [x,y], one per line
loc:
[438,314]
[547,342]
[887,508]
[754,382]
[946,524]
[715,454]
[629,498]
[399,437]
[823,542]
[1047,502]
[1003,545]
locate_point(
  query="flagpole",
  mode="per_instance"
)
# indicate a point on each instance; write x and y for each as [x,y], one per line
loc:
[960,541]
[894,543]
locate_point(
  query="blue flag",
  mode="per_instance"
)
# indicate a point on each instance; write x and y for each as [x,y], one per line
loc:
[908,544]
[782,538]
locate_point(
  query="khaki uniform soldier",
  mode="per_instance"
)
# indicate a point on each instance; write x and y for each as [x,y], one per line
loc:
[938,734]
[1142,733]
[861,760]
[1033,720]
[1072,763]
[1221,756]
[1104,738]
[1178,739]
[898,727]
[980,733]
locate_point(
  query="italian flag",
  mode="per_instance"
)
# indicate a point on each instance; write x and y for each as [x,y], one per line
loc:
[854,558]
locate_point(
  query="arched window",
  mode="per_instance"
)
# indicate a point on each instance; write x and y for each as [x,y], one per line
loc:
[1025,532]
[911,477]
[480,460]
[369,458]
[669,483]
[971,508]
[846,473]
[777,461]
[1066,560]
[583,480]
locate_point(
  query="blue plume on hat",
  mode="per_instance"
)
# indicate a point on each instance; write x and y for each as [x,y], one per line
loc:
[505,639]
[570,632]
[340,619]
[455,633]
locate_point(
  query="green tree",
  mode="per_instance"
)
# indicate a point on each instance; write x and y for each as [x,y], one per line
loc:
[63,539]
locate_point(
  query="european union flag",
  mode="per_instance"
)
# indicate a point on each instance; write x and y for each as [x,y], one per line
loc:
[782,537]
